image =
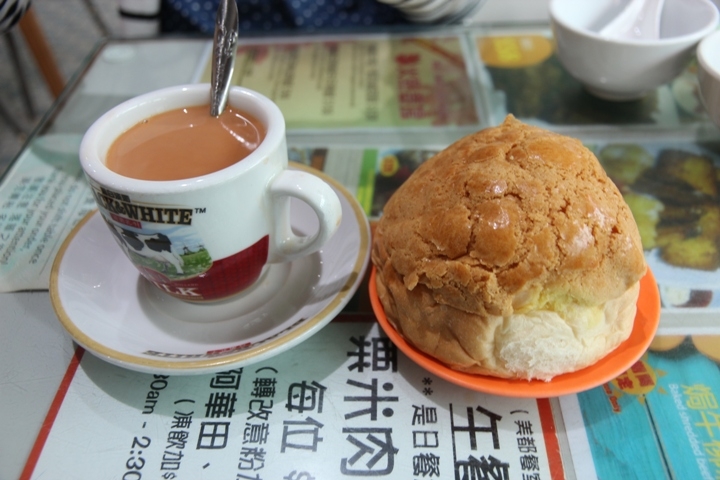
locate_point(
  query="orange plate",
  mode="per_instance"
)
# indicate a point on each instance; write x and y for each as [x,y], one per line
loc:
[609,367]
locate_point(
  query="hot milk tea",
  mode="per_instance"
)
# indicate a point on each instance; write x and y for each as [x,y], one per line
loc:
[184,143]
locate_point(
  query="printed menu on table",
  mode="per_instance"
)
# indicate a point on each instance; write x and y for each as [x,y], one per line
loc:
[42,197]
[667,403]
[362,82]
[672,190]
[343,404]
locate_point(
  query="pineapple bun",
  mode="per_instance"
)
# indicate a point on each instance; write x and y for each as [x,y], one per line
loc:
[510,253]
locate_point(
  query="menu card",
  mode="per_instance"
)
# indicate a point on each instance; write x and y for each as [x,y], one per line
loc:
[343,404]
[371,174]
[360,82]
[667,403]
[42,197]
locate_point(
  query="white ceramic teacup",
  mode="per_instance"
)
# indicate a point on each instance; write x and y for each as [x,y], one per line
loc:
[623,68]
[208,237]
[708,55]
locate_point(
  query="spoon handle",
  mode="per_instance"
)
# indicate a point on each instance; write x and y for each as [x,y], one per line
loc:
[639,20]
[223,62]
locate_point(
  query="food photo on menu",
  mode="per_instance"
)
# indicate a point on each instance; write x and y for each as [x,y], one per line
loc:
[672,190]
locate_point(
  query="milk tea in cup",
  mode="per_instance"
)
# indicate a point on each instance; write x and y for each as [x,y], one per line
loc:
[213,208]
[184,143]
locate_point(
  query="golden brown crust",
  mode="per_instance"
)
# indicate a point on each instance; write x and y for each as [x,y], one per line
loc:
[510,220]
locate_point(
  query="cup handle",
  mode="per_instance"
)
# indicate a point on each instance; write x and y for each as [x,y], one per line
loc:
[318,195]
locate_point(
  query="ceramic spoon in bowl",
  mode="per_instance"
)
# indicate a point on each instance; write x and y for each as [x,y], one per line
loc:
[639,20]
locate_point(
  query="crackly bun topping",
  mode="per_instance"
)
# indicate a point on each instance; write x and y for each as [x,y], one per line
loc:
[511,219]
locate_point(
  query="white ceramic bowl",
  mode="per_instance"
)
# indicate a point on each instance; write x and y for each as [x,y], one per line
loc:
[626,69]
[435,11]
[708,55]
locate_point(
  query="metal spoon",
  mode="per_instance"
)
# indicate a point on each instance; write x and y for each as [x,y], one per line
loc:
[639,20]
[223,58]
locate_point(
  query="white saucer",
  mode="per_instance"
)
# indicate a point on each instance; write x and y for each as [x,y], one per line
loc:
[112,312]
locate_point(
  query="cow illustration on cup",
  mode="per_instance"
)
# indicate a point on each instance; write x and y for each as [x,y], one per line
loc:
[157,252]
[156,249]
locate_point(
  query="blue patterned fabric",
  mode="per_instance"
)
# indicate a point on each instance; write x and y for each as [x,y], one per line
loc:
[267,15]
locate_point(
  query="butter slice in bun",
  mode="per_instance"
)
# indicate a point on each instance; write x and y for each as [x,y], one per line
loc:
[510,253]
